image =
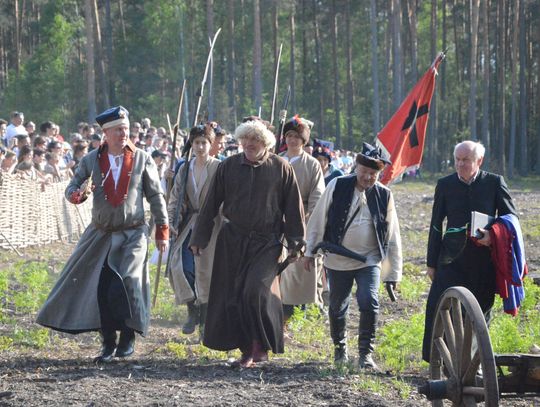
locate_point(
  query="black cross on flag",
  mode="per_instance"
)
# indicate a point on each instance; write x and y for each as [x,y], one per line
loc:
[410,121]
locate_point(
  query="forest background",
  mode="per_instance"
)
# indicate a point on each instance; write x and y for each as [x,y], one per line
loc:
[349,63]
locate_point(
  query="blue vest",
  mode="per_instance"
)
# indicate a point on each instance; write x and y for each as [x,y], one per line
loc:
[377,200]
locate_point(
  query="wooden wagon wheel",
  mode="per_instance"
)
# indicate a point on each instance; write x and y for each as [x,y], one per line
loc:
[460,343]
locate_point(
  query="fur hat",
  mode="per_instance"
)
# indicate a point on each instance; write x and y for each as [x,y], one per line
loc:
[202,130]
[300,125]
[257,128]
[371,157]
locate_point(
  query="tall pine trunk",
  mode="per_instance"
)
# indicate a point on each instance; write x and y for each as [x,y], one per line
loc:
[501,82]
[435,154]
[109,47]
[337,111]
[375,67]
[397,55]
[486,58]
[413,32]
[90,70]
[474,4]
[210,32]
[514,62]
[257,56]
[292,63]
[101,58]
[350,83]
[523,113]
[231,63]
[318,56]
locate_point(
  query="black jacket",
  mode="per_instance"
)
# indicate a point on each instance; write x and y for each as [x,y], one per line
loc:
[454,200]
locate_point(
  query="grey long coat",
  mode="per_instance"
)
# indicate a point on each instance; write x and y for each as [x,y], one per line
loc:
[117,234]
[188,213]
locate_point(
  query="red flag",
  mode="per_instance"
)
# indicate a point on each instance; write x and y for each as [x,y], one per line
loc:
[402,138]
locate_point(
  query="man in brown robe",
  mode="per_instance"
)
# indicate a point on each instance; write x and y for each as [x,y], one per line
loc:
[263,211]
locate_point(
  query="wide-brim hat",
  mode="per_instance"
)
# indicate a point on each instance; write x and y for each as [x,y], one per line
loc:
[371,157]
[112,117]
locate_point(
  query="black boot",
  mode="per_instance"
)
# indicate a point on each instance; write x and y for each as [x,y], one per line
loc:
[338,332]
[193,318]
[366,339]
[203,308]
[108,345]
[126,345]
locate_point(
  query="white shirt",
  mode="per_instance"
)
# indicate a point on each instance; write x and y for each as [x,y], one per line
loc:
[115,169]
[12,131]
[290,160]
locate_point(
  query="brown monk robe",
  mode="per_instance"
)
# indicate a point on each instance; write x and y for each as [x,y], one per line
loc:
[263,210]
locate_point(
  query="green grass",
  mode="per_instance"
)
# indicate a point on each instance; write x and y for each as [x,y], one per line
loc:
[31,285]
[530,227]
[6,343]
[517,334]
[400,343]
[414,283]
[310,340]
[524,184]
[35,338]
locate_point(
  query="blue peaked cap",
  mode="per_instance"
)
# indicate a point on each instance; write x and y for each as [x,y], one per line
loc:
[113,116]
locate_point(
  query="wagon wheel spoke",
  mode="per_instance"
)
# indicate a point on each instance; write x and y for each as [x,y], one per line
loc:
[472,368]
[457,323]
[466,344]
[469,401]
[445,354]
[450,337]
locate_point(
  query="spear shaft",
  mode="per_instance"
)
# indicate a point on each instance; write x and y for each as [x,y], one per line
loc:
[169,187]
[276,84]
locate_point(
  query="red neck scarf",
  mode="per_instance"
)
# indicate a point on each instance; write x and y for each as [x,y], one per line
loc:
[116,195]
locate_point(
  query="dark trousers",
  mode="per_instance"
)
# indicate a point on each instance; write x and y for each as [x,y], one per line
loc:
[112,300]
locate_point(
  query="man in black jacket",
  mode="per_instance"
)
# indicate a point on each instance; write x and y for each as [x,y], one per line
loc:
[453,257]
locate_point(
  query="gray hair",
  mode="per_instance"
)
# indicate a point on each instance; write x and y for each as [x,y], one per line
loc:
[476,147]
[258,129]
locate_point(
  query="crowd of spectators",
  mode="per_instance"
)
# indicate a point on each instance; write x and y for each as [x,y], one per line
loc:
[42,153]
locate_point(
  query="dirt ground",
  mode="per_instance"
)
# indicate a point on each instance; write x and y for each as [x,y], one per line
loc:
[66,375]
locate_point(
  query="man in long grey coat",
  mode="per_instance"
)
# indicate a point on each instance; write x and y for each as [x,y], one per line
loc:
[105,284]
